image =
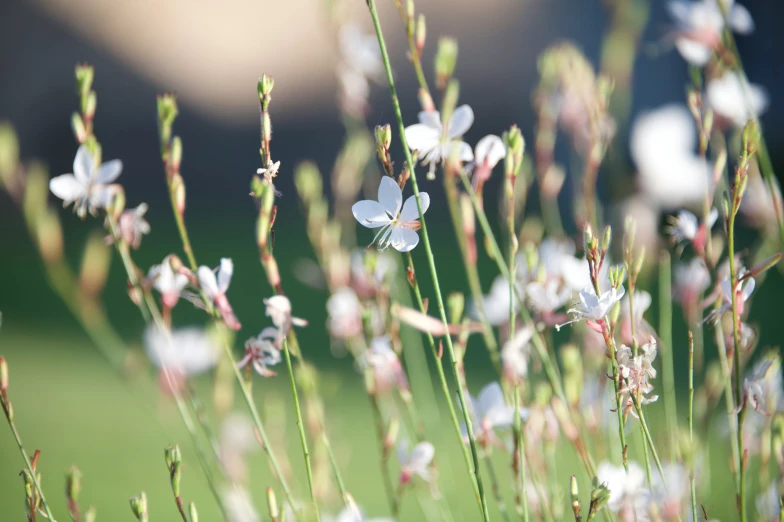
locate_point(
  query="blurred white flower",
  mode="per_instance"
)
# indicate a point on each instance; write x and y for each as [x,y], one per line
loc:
[662,145]
[547,297]
[744,291]
[236,439]
[215,289]
[642,330]
[360,50]
[490,412]
[496,302]
[768,503]
[629,498]
[700,24]
[690,280]
[349,514]
[686,228]
[344,310]
[762,388]
[169,284]
[487,153]
[398,227]
[434,143]
[637,372]
[239,505]
[514,355]
[262,351]
[387,370]
[133,225]
[733,101]
[415,462]
[88,186]
[592,307]
[187,351]
[278,309]
[671,493]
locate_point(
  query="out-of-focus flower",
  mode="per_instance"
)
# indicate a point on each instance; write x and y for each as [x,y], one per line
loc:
[629,498]
[690,280]
[490,412]
[384,362]
[398,222]
[360,62]
[744,291]
[187,351]
[637,373]
[344,311]
[593,308]
[762,388]
[671,493]
[642,301]
[371,269]
[88,187]
[700,24]
[236,438]
[434,143]
[415,462]
[238,505]
[487,153]
[278,308]
[686,228]
[351,515]
[662,146]
[215,289]
[169,284]
[547,297]
[767,503]
[496,302]
[733,101]
[133,225]
[262,352]
[514,355]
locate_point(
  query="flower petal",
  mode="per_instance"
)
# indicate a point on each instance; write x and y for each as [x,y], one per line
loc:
[370,214]
[422,138]
[403,239]
[490,397]
[207,282]
[461,121]
[421,455]
[693,52]
[462,151]
[431,118]
[108,172]
[740,20]
[224,274]
[410,211]
[66,187]
[83,164]
[490,149]
[390,196]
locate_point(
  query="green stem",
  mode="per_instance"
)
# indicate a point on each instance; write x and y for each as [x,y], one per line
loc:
[381,435]
[667,354]
[495,487]
[691,427]
[522,494]
[301,427]
[472,466]
[647,458]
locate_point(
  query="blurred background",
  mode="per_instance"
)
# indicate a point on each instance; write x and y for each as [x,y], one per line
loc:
[68,403]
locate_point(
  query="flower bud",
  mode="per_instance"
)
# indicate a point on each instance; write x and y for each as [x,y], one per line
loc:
[272,504]
[84,74]
[175,157]
[193,513]
[167,112]
[383,136]
[73,483]
[9,153]
[95,265]
[425,101]
[606,238]
[515,146]
[90,514]
[173,459]
[765,265]
[390,439]
[307,179]
[750,138]
[575,496]
[139,507]
[266,83]
[456,304]
[587,236]
[264,223]
[445,61]
[177,188]
[50,236]
[421,34]
[79,130]
[90,105]
[3,375]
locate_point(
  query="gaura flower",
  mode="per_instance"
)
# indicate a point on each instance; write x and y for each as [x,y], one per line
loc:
[496,302]
[353,514]
[642,329]
[360,51]
[637,373]
[514,355]
[546,297]
[629,498]
[187,351]
[344,311]
[89,185]
[488,152]
[435,143]
[415,462]
[169,284]
[398,221]
[384,362]
[490,412]
[690,281]
[239,506]
[744,290]
[733,101]
[262,352]
[278,308]
[215,289]
[133,225]
[593,308]
[686,228]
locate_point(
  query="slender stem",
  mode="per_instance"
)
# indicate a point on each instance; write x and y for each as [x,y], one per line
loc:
[495,487]
[647,458]
[652,447]
[522,494]
[616,378]
[729,400]
[667,354]
[381,435]
[472,466]
[691,426]
[301,426]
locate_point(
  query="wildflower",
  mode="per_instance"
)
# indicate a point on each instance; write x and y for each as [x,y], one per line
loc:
[642,301]
[360,51]
[547,297]
[169,284]
[89,185]
[637,372]
[236,439]
[487,153]
[278,308]
[496,302]
[344,314]
[370,269]
[133,225]
[744,290]
[629,497]
[593,308]
[398,227]
[762,388]
[768,502]
[686,228]
[269,173]
[662,145]
[671,493]
[490,412]
[700,24]
[238,505]
[215,289]
[351,514]
[734,101]
[187,351]
[514,355]
[387,370]
[262,352]
[690,281]
[415,462]
[434,143]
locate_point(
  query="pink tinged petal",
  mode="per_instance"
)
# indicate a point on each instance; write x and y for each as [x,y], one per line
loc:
[403,239]
[461,121]
[108,172]
[207,282]
[227,313]
[693,52]
[431,119]
[67,187]
[740,20]
[83,165]
[370,214]
[410,211]
[490,150]
[402,453]
[224,274]
[748,288]
[390,196]
[422,455]
[422,138]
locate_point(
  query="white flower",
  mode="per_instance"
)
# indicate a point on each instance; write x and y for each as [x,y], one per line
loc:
[360,50]
[762,388]
[662,145]
[637,372]
[215,289]
[415,462]
[489,151]
[547,297]
[398,221]
[700,24]
[730,99]
[496,303]
[629,498]
[768,502]
[671,493]
[744,291]
[353,514]
[344,310]
[236,439]
[187,351]
[490,412]
[592,307]
[239,505]
[262,352]
[169,284]
[686,228]
[514,355]
[690,281]
[387,370]
[133,225]
[278,308]
[88,186]
[434,143]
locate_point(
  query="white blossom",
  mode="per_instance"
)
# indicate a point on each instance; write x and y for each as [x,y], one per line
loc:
[637,372]
[548,296]
[496,302]
[133,225]
[278,309]
[629,498]
[734,101]
[165,281]
[686,228]
[262,351]
[215,287]
[415,462]
[344,311]
[239,505]
[514,354]
[88,187]
[187,351]
[490,412]
[435,143]
[387,369]
[700,24]
[353,514]
[744,291]
[398,222]
[592,307]
[489,151]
